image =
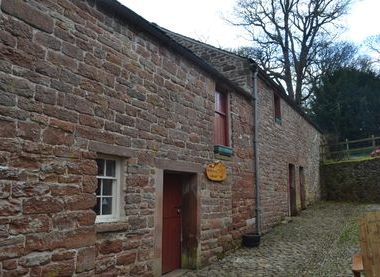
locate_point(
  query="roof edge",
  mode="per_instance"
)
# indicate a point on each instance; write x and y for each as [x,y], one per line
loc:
[261,73]
[116,9]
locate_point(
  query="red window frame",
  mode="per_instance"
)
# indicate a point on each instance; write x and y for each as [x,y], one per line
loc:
[221,119]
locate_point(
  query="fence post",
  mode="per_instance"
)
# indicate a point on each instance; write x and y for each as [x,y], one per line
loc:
[373,142]
[323,149]
[347,149]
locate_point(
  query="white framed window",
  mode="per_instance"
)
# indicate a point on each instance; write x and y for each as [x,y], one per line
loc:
[108,191]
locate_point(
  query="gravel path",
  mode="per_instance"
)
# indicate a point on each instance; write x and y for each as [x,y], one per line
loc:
[319,242]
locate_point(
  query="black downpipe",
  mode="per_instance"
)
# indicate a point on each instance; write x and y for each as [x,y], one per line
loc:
[256,149]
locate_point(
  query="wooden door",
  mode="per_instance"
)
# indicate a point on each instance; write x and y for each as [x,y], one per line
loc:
[302,188]
[292,191]
[171,233]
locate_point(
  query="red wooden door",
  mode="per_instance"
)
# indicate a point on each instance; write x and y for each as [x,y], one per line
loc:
[171,233]
[292,191]
[302,187]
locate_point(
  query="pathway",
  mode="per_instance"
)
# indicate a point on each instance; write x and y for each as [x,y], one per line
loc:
[319,242]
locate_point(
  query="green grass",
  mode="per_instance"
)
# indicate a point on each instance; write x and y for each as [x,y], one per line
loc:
[355,160]
[350,234]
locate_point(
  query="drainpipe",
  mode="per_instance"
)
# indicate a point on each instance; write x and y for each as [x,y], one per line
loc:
[256,148]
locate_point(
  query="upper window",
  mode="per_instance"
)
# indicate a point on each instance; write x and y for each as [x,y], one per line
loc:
[221,119]
[277,108]
[107,193]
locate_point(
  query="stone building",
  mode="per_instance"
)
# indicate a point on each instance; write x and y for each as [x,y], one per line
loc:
[106,127]
[288,141]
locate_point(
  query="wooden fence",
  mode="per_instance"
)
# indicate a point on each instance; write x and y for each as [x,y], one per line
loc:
[350,149]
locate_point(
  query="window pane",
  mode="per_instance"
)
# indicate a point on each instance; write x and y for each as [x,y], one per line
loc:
[220,102]
[97,207]
[217,101]
[100,167]
[107,187]
[98,188]
[106,205]
[220,121]
[111,168]
[220,131]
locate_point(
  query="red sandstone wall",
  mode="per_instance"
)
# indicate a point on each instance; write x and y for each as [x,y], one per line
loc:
[293,141]
[75,83]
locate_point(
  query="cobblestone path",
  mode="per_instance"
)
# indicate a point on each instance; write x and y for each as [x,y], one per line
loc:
[319,242]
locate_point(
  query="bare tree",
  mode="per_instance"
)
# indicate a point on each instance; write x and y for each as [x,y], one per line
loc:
[337,55]
[288,36]
[373,44]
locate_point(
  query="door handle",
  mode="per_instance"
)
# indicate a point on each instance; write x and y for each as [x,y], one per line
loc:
[178,209]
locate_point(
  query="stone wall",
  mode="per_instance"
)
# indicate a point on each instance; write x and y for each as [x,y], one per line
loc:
[357,181]
[236,68]
[293,141]
[75,83]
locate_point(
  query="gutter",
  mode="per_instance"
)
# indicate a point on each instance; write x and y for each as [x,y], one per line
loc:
[256,149]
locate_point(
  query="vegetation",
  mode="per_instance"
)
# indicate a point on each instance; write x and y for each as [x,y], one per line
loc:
[354,160]
[288,37]
[350,234]
[346,103]
[297,43]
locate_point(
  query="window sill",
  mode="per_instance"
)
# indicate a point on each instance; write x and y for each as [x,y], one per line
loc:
[103,227]
[223,150]
[223,158]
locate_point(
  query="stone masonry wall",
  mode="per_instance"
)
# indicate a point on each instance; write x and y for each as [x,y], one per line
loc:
[74,83]
[234,67]
[357,181]
[294,141]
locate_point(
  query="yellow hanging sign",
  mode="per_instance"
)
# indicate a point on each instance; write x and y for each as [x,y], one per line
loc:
[216,171]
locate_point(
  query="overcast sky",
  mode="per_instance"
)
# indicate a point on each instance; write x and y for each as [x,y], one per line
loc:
[203,19]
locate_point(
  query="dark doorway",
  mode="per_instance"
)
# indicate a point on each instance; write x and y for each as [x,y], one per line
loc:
[292,191]
[302,188]
[172,229]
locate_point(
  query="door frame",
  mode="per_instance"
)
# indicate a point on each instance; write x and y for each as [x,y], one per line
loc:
[194,171]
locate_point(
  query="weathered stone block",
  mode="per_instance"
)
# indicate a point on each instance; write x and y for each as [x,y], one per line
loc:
[62,268]
[30,224]
[7,128]
[35,259]
[10,207]
[126,259]
[25,12]
[29,189]
[48,41]
[85,259]
[7,99]
[10,264]
[83,201]
[110,246]
[62,255]
[29,131]
[42,205]
[56,136]
[12,247]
